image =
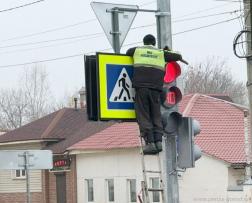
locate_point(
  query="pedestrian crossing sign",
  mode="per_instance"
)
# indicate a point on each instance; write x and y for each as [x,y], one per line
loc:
[116,94]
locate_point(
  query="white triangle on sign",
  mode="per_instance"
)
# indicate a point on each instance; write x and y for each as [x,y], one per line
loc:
[126,19]
[123,91]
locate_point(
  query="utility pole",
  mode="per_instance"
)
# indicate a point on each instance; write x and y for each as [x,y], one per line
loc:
[171,191]
[248,21]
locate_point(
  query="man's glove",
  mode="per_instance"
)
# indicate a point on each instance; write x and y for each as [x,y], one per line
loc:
[166,48]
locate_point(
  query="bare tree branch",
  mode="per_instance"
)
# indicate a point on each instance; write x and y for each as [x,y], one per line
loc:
[213,77]
[29,102]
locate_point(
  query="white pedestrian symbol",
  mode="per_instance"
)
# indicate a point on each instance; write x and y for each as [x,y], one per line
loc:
[123,91]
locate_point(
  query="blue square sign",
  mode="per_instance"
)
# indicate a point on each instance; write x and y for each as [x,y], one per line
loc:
[119,86]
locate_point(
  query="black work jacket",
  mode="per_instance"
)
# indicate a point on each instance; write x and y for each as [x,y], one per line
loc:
[151,77]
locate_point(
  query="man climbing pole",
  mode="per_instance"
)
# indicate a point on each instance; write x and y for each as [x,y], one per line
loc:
[149,69]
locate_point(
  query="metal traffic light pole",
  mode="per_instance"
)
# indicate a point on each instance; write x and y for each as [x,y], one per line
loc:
[164,35]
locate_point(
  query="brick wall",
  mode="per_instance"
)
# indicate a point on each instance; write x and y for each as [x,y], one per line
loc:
[71,182]
[49,188]
[48,194]
[36,197]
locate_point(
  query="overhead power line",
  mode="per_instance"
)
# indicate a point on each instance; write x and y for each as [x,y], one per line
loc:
[205,26]
[41,61]
[99,33]
[77,55]
[206,16]
[51,40]
[92,20]
[231,1]
[147,3]
[21,6]
[58,28]
[203,10]
[54,45]
[49,30]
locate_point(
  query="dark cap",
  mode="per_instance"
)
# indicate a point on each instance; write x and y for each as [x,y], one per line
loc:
[149,40]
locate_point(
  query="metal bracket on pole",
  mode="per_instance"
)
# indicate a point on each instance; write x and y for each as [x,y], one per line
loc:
[131,10]
[114,10]
[163,13]
[173,172]
[176,170]
[117,35]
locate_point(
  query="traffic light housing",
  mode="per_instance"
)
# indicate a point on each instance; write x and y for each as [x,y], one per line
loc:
[188,152]
[185,128]
[170,97]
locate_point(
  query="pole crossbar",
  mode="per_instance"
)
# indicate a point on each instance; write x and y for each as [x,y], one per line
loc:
[118,9]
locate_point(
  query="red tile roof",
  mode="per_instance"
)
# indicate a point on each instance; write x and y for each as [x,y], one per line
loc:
[222,130]
[222,127]
[120,135]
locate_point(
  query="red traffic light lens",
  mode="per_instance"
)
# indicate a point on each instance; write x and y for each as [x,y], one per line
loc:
[172,71]
[171,98]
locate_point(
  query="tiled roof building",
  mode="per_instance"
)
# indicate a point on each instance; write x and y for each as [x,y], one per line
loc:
[222,129]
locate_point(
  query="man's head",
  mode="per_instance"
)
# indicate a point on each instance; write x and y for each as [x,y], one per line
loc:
[149,40]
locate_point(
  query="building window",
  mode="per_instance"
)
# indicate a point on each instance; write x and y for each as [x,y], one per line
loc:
[132,190]
[110,186]
[90,190]
[20,174]
[155,184]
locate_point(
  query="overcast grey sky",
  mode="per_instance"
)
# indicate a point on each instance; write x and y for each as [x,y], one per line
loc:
[20,42]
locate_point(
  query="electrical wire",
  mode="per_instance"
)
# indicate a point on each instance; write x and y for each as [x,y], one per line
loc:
[76,55]
[236,42]
[54,45]
[200,11]
[205,16]
[60,28]
[50,30]
[147,3]
[92,20]
[230,1]
[41,61]
[98,35]
[101,33]
[52,40]
[205,26]
[21,6]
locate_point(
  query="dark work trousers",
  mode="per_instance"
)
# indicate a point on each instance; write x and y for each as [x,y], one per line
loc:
[147,106]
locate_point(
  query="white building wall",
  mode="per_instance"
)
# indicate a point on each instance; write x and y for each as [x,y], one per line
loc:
[117,164]
[207,182]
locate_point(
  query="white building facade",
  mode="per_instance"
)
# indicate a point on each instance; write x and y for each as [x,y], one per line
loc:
[116,175]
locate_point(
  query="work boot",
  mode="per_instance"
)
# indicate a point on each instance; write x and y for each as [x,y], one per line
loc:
[150,149]
[159,146]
